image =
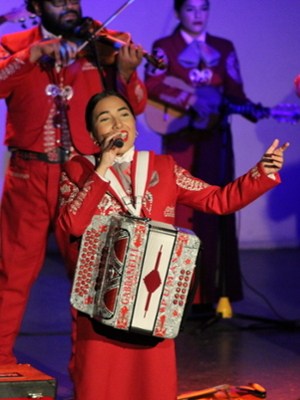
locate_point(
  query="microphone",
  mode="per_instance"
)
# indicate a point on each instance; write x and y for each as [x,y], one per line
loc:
[119,143]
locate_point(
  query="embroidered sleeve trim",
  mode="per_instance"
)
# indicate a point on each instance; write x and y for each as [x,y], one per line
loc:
[72,195]
[185,180]
[11,69]
[139,93]
[255,172]
[169,212]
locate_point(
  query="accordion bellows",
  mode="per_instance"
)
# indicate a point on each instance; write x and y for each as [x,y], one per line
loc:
[135,274]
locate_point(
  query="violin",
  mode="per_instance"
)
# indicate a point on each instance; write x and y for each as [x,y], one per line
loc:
[91,37]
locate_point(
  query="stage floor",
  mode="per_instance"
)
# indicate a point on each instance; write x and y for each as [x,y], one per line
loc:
[230,351]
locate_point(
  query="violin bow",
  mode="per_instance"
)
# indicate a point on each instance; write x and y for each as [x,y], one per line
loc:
[108,21]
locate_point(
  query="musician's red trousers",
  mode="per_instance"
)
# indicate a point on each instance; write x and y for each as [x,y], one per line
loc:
[28,211]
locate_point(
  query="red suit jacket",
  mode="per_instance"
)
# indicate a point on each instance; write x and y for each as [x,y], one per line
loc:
[85,194]
[23,85]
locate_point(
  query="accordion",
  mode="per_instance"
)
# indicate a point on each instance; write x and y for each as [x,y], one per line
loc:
[135,274]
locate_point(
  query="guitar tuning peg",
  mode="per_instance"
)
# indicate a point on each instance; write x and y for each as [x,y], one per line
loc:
[22,22]
[34,19]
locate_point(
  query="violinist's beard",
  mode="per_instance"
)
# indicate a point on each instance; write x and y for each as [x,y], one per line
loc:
[59,26]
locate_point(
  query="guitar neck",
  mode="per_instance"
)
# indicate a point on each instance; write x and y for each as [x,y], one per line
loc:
[244,109]
[282,112]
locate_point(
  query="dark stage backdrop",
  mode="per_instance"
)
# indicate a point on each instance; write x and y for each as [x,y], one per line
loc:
[267,36]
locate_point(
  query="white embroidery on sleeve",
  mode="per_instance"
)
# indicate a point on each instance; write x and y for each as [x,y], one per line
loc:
[185,180]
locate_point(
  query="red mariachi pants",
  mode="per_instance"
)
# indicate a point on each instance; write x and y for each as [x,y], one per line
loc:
[28,211]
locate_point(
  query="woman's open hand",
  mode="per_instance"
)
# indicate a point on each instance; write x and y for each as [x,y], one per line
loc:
[272,160]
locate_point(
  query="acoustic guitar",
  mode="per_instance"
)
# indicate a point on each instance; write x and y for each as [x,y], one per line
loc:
[165,119]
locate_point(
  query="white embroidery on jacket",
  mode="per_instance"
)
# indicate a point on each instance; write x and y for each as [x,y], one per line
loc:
[169,212]
[49,134]
[185,180]
[70,193]
[18,175]
[255,173]
[138,91]
[11,69]
[81,196]
[109,205]
[148,201]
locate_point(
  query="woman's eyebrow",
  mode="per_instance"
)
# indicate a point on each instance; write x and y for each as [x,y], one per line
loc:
[101,113]
[107,112]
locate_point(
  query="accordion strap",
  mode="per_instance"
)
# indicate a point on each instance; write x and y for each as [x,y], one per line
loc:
[139,182]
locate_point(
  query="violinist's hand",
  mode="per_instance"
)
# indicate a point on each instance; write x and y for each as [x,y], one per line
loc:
[272,160]
[129,58]
[61,50]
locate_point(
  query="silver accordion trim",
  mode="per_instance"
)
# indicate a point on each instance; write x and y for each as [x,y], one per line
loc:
[135,274]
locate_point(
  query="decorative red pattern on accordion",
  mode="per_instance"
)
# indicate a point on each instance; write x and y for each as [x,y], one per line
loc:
[139,234]
[135,274]
[138,237]
[181,290]
[120,248]
[182,239]
[87,261]
[122,321]
[160,330]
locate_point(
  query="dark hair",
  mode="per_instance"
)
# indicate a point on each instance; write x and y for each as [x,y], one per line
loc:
[179,3]
[29,6]
[94,101]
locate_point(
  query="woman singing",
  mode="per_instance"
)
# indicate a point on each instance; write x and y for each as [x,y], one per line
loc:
[110,363]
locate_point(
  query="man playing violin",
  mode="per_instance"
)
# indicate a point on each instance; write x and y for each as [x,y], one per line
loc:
[46,86]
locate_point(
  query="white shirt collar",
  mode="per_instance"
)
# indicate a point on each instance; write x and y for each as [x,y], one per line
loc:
[128,156]
[189,39]
[48,35]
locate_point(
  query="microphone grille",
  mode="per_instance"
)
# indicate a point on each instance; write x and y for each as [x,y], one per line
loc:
[119,142]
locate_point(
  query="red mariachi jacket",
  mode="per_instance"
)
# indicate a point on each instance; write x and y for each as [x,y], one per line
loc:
[23,85]
[225,75]
[84,194]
